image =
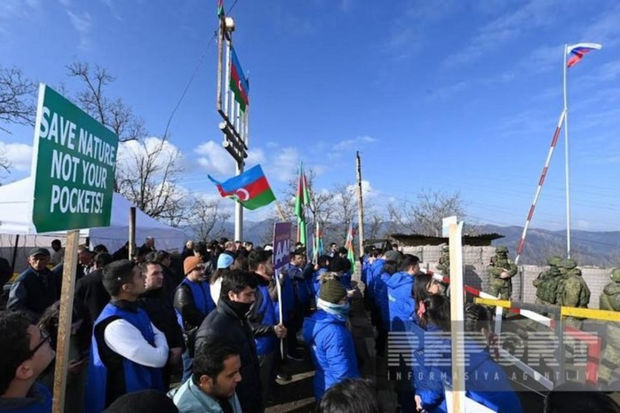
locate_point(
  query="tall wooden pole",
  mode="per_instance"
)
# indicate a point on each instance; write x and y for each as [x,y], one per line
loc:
[360,201]
[132,231]
[457,313]
[64,320]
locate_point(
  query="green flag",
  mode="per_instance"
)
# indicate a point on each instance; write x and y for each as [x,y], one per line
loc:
[302,199]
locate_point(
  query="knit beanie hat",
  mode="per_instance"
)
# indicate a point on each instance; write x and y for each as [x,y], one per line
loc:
[332,291]
[190,264]
[224,260]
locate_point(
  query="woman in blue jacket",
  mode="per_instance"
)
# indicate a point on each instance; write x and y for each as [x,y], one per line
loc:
[485,381]
[399,286]
[330,342]
[381,303]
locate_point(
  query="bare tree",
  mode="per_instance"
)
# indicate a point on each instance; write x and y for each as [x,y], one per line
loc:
[425,216]
[112,113]
[321,205]
[205,217]
[344,204]
[372,224]
[146,174]
[17,98]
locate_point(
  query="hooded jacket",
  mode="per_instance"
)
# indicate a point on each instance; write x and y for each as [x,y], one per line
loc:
[375,270]
[332,349]
[401,303]
[381,299]
[188,398]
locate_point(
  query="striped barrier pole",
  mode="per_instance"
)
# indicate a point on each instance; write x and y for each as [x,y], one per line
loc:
[541,181]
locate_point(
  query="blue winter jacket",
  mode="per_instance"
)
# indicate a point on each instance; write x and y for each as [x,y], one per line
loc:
[332,349]
[401,303]
[365,267]
[288,299]
[375,270]
[485,381]
[381,299]
[303,296]
[316,280]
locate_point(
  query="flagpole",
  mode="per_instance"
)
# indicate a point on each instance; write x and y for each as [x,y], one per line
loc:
[566,165]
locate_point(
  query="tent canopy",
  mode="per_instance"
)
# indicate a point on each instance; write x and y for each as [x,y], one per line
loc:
[16,201]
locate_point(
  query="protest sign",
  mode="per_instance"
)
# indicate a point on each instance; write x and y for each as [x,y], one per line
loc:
[74,159]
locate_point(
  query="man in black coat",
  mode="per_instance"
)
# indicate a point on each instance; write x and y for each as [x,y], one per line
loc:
[90,294]
[161,312]
[36,288]
[229,322]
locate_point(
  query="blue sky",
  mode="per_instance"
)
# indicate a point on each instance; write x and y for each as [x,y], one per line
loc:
[438,95]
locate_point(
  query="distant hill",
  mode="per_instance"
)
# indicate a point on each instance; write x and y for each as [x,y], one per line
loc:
[588,247]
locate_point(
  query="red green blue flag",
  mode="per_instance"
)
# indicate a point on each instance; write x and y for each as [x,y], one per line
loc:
[238,82]
[251,189]
[348,244]
[220,8]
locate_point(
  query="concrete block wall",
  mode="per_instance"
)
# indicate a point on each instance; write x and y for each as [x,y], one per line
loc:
[476,260]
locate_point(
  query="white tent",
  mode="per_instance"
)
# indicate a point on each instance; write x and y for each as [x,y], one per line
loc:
[16,218]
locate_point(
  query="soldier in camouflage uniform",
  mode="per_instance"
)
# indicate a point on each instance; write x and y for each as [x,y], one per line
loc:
[610,359]
[547,282]
[572,290]
[501,271]
[444,261]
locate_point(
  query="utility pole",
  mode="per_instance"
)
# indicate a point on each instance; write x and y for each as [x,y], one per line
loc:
[233,106]
[360,201]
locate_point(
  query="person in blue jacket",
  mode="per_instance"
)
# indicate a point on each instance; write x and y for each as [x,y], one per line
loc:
[302,300]
[400,286]
[331,343]
[381,303]
[321,267]
[401,307]
[485,381]
[128,351]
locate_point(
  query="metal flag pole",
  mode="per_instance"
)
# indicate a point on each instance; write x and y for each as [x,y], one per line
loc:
[566,165]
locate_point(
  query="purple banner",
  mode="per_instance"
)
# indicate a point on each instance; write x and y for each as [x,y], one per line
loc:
[281,244]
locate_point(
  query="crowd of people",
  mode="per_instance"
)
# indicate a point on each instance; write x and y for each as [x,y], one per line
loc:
[212,328]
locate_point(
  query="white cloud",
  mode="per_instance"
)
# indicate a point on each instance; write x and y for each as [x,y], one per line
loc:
[18,154]
[367,190]
[506,27]
[284,166]
[354,143]
[81,23]
[111,4]
[216,160]
[130,152]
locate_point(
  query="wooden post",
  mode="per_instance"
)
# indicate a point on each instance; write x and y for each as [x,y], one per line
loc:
[132,231]
[457,313]
[14,254]
[360,201]
[64,320]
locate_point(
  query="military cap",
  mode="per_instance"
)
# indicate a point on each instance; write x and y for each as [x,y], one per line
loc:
[501,250]
[568,263]
[554,261]
[615,274]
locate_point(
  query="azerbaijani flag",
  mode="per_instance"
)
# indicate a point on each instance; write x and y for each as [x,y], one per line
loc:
[348,244]
[250,189]
[577,51]
[238,83]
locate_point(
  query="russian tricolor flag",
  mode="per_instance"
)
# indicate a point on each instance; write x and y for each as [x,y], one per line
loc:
[577,51]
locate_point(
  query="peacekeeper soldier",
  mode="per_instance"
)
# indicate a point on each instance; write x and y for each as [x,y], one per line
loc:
[501,270]
[574,291]
[444,261]
[610,360]
[547,282]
